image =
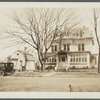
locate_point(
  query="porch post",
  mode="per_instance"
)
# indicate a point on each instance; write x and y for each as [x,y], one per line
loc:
[57,61]
[68,60]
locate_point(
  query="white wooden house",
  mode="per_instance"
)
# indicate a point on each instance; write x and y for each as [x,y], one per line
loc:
[75,50]
[22,61]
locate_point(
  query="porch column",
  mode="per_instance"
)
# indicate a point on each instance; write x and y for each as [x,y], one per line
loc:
[57,61]
[88,60]
[68,60]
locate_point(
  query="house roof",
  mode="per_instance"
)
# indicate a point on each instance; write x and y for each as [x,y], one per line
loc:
[79,52]
[75,38]
[26,55]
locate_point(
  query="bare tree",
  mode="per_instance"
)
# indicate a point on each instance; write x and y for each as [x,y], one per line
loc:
[96,12]
[39,27]
[94,23]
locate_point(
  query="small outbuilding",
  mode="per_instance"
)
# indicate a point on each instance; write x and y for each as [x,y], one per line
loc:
[23,61]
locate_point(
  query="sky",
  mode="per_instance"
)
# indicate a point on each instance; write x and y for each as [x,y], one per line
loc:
[84,10]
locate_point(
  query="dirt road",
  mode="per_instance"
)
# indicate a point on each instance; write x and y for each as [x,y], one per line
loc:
[49,84]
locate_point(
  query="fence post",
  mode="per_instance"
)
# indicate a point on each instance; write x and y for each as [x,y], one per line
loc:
[70,88]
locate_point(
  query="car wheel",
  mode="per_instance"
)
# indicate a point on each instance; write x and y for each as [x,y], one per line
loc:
[1,73]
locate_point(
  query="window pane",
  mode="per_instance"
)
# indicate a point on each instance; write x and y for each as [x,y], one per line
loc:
[50,59]
[79,58]
[82,58]
[68,47]
[78,47]
[47,60]
[71,58]
[85,58]
[55,47]
[63,58]
[55,59]
[76,58]
[65,47]
[82,47]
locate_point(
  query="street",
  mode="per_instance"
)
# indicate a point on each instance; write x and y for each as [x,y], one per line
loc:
[49,84]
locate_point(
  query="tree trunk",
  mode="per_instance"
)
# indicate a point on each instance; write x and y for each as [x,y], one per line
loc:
[99,60]
[43,67]
[60,45]
[25,63]
[44,61]
[40,60]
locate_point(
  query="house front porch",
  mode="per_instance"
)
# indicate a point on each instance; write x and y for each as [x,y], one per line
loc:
[66,60]
[61,58]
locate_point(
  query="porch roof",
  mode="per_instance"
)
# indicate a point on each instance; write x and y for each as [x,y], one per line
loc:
[61,52]
[79,52]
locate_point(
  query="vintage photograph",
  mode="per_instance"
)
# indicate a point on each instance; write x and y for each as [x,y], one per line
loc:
[49,48]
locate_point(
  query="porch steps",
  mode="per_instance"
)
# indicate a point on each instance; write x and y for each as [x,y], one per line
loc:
[33,74]
[61,70]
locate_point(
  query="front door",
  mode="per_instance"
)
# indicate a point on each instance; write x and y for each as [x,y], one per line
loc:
[62,61]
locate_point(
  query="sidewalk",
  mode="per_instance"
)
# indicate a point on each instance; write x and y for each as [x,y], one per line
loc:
[33,74]
[47,74]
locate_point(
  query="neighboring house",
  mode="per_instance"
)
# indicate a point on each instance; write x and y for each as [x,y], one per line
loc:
[22,61]
[75,50]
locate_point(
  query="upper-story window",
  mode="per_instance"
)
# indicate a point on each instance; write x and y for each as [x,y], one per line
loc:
[67,47]
[80,47]
[54,48]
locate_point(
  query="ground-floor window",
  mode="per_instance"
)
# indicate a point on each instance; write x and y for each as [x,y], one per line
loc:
[51,59]
[78,58]
[63,59]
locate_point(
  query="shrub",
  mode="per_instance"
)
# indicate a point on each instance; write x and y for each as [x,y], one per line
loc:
[87,67]
[92,67]
[73,67]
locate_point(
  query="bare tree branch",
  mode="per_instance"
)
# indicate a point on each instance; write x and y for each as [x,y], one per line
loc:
[36,27]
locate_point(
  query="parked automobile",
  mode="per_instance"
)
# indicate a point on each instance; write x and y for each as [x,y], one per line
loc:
[6,68]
